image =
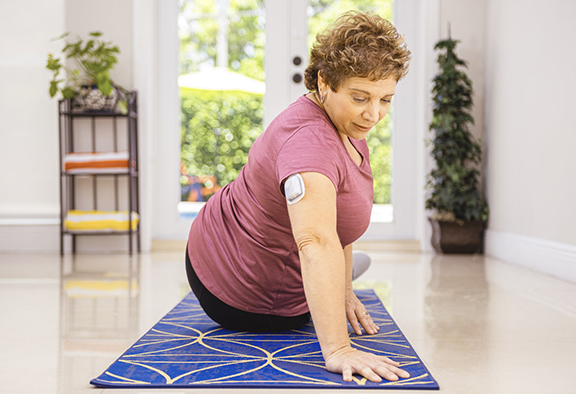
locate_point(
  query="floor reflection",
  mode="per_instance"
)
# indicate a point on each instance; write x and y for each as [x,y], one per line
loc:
[456,303]
[479,324]
[99,313]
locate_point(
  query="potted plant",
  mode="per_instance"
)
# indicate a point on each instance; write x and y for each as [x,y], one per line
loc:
[459,211]
[88,83]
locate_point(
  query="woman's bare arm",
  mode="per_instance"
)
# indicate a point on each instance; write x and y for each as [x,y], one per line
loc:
[355,310]
[323,265]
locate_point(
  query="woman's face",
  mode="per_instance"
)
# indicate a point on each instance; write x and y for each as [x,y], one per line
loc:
[358,104]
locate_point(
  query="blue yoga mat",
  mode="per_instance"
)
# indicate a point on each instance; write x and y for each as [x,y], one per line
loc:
[188,350]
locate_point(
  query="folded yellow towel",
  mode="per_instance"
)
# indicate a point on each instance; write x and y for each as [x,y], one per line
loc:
[99,220]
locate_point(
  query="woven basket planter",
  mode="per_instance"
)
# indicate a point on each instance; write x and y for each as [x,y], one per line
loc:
[454,237]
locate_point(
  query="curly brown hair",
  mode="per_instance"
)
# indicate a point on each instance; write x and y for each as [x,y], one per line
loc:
[360,44]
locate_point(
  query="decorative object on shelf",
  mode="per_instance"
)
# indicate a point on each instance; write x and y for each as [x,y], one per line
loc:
[90,98]
[99,189]
[89,85]
[459,209]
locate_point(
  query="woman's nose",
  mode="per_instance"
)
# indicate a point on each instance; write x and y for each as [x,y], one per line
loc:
[371,113]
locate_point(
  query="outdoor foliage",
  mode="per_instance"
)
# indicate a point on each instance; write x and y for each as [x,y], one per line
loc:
[453,183]
[321,15]
[218,128]
[380,145]
[217,133]
[199,31]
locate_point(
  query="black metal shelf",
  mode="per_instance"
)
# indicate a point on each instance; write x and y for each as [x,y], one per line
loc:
[69,110]
[100,232]
[87,174]
[96,114]
[68,185]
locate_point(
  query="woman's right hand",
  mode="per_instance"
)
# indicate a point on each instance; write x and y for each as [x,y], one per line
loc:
[349,361]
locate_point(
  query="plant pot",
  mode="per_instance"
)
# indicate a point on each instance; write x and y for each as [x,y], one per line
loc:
[91,99]
[453,237]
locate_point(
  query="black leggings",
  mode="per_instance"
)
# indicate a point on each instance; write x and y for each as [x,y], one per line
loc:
[236,319]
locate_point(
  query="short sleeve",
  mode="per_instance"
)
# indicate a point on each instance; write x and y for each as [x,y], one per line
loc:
[311,149]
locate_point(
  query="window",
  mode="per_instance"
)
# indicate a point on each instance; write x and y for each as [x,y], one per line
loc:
[221,88]
[285,24]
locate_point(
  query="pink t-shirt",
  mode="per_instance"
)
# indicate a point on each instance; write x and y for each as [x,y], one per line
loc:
[241,244]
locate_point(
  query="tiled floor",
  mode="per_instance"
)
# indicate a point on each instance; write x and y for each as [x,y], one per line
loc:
[480,325]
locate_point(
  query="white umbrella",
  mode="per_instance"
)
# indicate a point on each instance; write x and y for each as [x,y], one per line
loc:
[221,79]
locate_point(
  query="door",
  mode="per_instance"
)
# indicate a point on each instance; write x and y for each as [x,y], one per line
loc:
[290,30]
[287,36]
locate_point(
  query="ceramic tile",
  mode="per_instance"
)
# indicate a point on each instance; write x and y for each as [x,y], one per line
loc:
[480,325]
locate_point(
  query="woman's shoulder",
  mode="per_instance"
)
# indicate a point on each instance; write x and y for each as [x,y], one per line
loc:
[305,115]
[303,110]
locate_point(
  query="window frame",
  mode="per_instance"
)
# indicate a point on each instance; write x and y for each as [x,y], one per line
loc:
[156,73]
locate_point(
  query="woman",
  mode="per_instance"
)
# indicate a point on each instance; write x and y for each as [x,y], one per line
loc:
[275,246]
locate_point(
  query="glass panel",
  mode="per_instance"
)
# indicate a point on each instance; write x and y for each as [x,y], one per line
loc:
[321,13]
[221,88]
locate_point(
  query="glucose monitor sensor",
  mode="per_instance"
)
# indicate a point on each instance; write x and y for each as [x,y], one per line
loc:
[294,189]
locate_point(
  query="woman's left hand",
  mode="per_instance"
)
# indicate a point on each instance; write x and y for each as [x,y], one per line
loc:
[358,315]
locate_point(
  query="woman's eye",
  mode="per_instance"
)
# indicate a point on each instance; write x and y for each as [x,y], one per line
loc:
[387,101]
[359,99]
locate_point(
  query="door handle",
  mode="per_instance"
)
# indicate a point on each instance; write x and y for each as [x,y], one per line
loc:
[297,78]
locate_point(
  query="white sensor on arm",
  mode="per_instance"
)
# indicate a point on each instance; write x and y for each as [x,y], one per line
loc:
[294,189]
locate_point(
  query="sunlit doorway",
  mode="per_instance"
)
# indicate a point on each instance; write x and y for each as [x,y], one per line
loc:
[221,88]
[222,46]
[321,13]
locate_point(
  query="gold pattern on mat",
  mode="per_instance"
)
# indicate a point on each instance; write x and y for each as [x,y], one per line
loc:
[187,348]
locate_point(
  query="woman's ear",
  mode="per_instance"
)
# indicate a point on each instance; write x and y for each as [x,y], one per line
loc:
[322,85]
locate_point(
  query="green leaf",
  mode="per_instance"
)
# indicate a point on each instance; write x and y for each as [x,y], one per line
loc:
[53,63]
[68,93]
[123,107]
[60,37]
[104,84]
[89,46]
[53,88]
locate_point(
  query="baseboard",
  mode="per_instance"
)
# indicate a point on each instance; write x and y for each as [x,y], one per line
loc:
[552,258]
[45,238]
[162,245]
[30,238]
[166,245]
[404,246]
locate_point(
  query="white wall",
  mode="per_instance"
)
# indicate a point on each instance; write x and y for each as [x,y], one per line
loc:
[28,125]
[531,132]
[29,118]
[29,176]
[467,20]
[114,19]
[29,128]
[521,61]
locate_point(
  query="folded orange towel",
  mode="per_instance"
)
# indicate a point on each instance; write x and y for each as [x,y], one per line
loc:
[99,162]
